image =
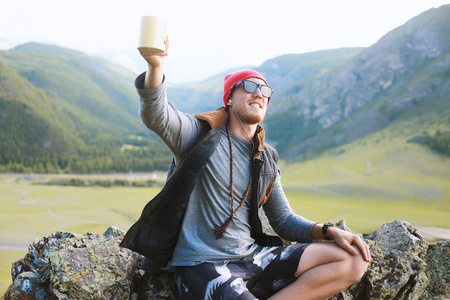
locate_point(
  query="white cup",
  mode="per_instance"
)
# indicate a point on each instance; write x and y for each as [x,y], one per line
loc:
[153,34]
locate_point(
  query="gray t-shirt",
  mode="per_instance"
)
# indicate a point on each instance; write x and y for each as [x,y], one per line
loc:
[210,203]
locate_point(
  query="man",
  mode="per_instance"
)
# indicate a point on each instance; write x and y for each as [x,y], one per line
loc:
[205,221]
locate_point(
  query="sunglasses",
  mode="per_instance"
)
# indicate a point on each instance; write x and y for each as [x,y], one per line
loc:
[250,87]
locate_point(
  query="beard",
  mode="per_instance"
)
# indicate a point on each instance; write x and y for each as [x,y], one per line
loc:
[250,118]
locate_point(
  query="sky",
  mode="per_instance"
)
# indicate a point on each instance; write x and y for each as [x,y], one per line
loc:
[206,36]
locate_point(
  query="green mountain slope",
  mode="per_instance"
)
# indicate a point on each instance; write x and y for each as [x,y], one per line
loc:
[63,111]
[404,75]
[96,93]
[28,121]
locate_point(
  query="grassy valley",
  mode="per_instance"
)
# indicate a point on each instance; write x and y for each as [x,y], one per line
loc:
[372,181]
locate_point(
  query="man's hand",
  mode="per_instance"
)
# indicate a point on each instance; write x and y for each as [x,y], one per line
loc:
[346,239]
[155,72]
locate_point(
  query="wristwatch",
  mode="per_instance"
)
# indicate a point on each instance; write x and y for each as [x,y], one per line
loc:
[325,231]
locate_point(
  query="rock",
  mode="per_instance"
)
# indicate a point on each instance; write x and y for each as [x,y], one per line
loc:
[93,266]
[399,269]
[438,260]
[69,266]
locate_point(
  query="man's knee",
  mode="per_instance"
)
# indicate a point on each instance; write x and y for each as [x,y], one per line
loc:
[350,267]
[356,267]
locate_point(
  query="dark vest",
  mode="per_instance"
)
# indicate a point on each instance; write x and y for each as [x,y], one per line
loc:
[156,232]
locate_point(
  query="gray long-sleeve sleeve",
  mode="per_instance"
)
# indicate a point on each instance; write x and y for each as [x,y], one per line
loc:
[283,220]
[178,130]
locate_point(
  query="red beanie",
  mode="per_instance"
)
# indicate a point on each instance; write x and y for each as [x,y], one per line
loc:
[233,78]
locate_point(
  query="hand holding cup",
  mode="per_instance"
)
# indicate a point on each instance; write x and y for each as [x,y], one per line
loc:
[153,41]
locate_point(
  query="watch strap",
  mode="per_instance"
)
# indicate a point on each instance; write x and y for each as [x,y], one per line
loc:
[325,231]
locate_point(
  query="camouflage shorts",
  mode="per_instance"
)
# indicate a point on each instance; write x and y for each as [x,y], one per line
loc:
[257,276]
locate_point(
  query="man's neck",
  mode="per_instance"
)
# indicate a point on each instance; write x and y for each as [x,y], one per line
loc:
[244,131]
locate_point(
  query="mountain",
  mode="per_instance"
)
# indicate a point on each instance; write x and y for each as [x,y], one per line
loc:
[404,76]
[62,110]
[284,73]
[329,98]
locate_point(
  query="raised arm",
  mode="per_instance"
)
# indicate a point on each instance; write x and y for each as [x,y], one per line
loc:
[177,129]
[155,72]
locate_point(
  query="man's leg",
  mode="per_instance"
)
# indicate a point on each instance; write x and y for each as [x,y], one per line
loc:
[325,269]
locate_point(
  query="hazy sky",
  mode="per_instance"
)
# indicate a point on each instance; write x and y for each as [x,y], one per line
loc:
[207,36]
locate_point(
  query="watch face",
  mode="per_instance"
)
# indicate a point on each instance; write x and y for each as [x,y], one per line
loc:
[325,230]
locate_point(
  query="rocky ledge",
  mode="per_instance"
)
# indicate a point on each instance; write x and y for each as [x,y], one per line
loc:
[65,265]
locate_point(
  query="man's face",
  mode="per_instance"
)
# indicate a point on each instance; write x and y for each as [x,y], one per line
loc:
[251,107]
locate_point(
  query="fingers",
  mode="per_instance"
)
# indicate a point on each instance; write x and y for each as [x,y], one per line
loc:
[346,240]
[155,59]
[148,55]
[347,245]
[152,57]
[166,44]
[364,248]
